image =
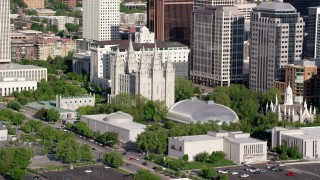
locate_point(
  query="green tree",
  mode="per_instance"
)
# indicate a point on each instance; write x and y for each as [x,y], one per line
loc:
[202,157]
[15,105]
[109,138]
[155,110]
[217,156]
[72,27]
[86,154]
[53,115]
[18,118]
[31,126]
[208,172]
[113,159]
[16,173]
[183,89]
[82,128]
[145,175]
[185,158]
[68,150]
[42,113]
[223,177]
[221,98]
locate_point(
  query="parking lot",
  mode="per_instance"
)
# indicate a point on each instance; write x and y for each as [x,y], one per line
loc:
[98,173]
[303,172]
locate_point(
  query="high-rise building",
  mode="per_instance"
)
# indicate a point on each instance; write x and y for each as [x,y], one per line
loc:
[312,40]
[276,40]
[101,19]
[201,3]
[5,48]
[34,3]
[170,20]
[302,5]
[217,46]
[70,3]
[303,77]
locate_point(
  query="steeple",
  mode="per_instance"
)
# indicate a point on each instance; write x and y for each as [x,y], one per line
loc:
[267,107]
[305,104]
[288,96]
[277,103]
[271,106]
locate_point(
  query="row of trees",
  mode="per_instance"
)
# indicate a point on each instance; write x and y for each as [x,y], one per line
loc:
[13,161]
[286,152]
[126,10]
[63,145]
[213,157]
[11,117]
[210,173]
[44,28]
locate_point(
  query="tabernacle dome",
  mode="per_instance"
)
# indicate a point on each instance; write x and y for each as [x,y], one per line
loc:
[194,110]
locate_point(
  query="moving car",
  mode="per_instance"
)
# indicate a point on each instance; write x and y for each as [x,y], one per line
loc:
[281,164]
[131,158]
[290,173]
[234,173]
[88,171]
[244,175]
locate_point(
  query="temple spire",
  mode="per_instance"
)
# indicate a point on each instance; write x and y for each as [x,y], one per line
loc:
[130,49]
[277,103]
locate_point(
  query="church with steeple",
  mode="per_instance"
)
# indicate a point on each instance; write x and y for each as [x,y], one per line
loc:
[299,112]
[150,74]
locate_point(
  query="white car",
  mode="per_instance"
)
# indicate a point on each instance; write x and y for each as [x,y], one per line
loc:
[106,167]
[222,171]
[252,170]
[244,175]
[234,173]
[281,165]
[88,171]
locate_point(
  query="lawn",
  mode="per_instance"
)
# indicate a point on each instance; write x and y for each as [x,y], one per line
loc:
[199,165]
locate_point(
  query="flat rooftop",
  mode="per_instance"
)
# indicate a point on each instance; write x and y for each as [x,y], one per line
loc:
[244,140]
[47,105]
[195,138]
[17,67]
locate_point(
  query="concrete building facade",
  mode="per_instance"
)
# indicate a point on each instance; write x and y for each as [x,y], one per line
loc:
[305,138]
[5,51]
[239,147]
[81,63]
[133,19]
[29,72]
[276,40]
[119,122]
[73,103]
[32,4]
[3,134]
[217,46]
[8,85]
[101,19]
[54,47]
[23,50]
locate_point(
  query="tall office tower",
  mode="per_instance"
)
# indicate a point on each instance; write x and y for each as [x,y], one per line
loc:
[312,40]
[5,46]
[201,3]
[276,40]
[101,19]
[170,20]
[302,5]
[217,45]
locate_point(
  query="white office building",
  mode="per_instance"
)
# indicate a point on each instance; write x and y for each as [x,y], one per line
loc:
[305,138]
[73,103]
[101,19]
[239,147]
[5,48]
[119,122]
[29,72]
[133,19]
[276,40]
[9,85]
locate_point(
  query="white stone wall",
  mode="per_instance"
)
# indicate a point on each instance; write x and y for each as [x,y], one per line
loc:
[5,40]
[73,103]
[3,135]
[15,85]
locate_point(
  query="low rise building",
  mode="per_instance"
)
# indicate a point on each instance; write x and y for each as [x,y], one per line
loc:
[73,103]
[54,47]
[119,122]
[70,3]
[138,19]
[23,49]
[8,85]
[305,138]
[60,21]
[81,63]
[239,147]
[3,134]
[34,3]
[30,72]
[45,12]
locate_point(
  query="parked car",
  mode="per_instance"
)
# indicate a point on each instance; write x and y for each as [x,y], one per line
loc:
[234,173]
[281,164]
[223,172]
[131,158]
[244,175]
[145,163]
[290,173]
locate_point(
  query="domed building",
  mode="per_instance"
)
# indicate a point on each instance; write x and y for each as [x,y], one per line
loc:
[293,112]
[194,110]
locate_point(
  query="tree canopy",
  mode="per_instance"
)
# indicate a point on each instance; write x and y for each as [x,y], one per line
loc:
[113,159]
[184,89]
[145,175]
